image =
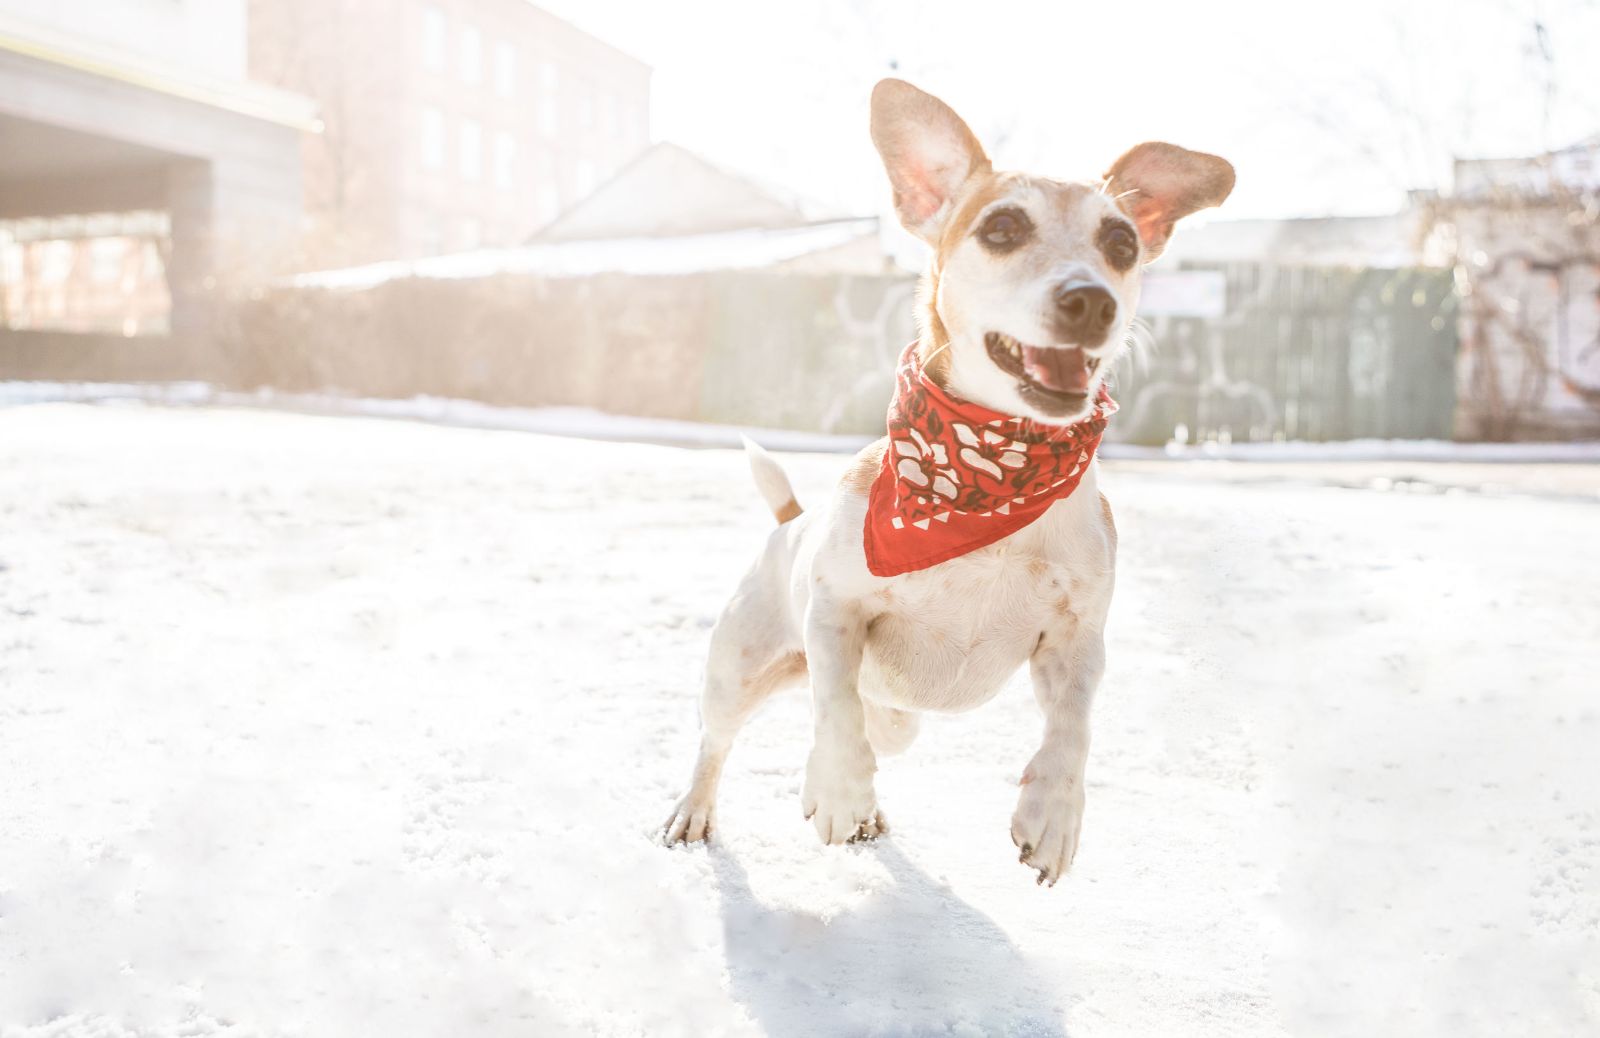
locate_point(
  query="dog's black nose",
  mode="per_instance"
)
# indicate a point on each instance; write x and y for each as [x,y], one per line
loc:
[1084,313]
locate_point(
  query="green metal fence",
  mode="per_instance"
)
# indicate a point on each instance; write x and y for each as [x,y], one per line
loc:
[1312,354]
[1301,354]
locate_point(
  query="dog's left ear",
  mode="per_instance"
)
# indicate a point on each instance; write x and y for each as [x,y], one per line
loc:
[928,152]
[1159,184]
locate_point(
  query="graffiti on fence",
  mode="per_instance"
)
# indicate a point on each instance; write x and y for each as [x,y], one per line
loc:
[876,339]
[1303,353]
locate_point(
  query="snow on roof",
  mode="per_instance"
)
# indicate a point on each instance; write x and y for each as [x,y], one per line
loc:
[685,254]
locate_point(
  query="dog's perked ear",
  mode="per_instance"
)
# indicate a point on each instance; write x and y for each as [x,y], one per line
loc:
[928,152]
[1159,184]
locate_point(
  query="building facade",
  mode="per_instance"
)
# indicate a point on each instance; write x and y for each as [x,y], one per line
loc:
[140,170]
[448,124]
[1523,236]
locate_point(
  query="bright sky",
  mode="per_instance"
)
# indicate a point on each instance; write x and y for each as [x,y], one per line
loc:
[1325,108]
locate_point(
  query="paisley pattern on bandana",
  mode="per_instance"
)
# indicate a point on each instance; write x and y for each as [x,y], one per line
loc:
[958,476]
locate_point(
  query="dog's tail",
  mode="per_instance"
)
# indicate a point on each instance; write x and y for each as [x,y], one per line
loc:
[771,481]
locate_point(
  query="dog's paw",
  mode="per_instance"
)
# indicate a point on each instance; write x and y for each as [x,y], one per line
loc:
[1045,827]
[841,803]
[690,822]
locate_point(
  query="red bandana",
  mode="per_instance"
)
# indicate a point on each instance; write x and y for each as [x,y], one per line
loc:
[958,476]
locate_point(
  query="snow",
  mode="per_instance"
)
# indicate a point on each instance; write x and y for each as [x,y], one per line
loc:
[744,249]
[593,424]
[322,725]
[561,421]
[1379,450]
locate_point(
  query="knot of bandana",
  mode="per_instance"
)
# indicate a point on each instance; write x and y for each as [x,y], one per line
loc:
[958,476]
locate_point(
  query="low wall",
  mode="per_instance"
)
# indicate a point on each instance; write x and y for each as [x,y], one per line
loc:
[1299,354]
[751,348]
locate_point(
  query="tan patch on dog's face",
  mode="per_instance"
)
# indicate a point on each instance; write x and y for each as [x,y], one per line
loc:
[988,189]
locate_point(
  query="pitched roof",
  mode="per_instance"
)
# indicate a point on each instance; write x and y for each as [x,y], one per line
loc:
[669,190]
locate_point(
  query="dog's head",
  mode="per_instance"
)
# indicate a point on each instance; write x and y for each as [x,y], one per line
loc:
[1033,281]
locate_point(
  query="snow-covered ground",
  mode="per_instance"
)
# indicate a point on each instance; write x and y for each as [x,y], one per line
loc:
[336,726]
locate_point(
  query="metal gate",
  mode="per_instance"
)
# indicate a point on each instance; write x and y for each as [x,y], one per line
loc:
[1301,354]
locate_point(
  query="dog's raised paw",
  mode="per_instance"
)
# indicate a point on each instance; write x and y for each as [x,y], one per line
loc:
[1046,826]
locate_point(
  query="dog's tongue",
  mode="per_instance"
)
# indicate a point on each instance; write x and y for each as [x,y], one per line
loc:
[1066,370]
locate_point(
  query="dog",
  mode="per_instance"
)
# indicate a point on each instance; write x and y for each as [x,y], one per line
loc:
[1023,310]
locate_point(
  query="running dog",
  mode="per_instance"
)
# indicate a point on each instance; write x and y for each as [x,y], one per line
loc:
[973,538]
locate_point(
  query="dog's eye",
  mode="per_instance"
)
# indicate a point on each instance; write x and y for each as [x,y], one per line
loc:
[1119,244]
[1005,229]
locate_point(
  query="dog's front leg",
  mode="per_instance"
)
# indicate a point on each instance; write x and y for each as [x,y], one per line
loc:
[838,796]
[1066,668]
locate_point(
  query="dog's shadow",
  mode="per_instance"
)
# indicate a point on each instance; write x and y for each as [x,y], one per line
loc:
[914,960]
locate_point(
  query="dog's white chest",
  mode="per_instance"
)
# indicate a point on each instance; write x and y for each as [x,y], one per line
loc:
[947,638]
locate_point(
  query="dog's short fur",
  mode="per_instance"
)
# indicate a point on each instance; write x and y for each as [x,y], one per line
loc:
[1015,256]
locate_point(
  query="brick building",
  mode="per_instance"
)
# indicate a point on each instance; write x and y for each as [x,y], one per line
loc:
[448,124]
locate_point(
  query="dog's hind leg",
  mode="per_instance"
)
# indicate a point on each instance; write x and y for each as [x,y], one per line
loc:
[751,658]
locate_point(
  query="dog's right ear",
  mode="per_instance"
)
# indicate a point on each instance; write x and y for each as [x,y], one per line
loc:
[928,152]
[1158,184]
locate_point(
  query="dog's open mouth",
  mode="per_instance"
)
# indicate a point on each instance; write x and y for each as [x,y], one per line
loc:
[1054,379]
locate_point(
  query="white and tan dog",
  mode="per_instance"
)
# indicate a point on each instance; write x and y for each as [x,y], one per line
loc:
[1025,304]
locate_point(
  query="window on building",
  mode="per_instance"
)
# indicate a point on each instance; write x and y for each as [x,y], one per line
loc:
[471,235]
[505,69]
[471,151]
[59,255]
[586,177]
[585,113]
[471,55]
[432,138]
[544,176]
[434,31]
[608,115]
[150,263]
[505,159]
[549,87]
[106,256]
[86,273]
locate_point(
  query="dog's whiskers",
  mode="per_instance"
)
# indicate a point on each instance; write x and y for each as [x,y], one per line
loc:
[936,352]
